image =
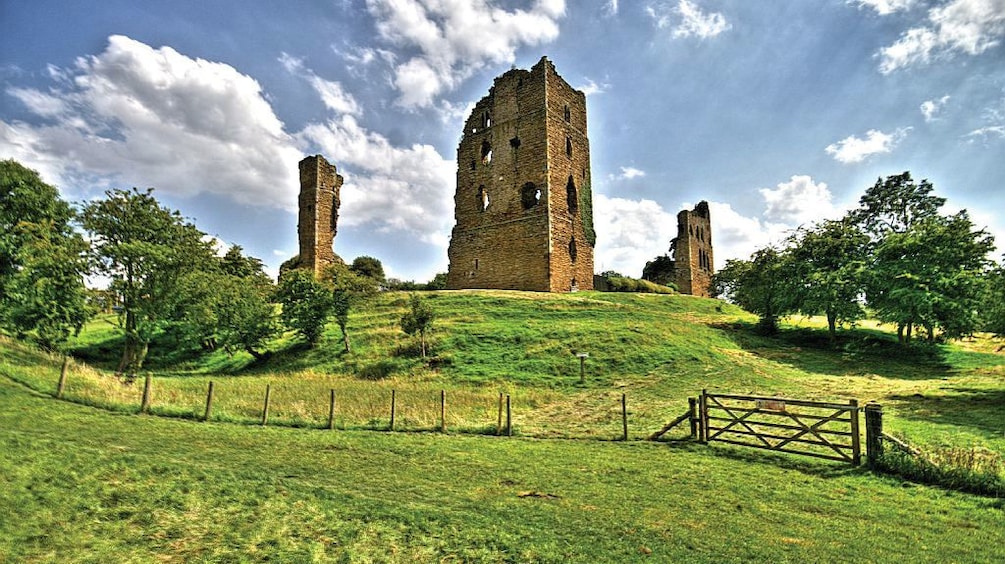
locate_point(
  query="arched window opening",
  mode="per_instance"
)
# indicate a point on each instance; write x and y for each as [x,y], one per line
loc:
[483,198]
[486,120]
[568,114]
[486,152]
[568,146]
[572,249]
[571,195]
[530,195]
[473,164]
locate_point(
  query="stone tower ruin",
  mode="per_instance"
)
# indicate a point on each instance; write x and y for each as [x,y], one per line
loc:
[523,205]
[692,251]
[689,265]
[319,202]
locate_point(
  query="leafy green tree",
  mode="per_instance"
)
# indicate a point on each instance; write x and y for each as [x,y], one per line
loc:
[307,304]
[993,302]
[418,319]
[828,266]
[932,275]
[235,263]
[894,204]
[145,249]
[759,285]
[926,268]
[368,267]
[47,293]
[439,282]
[42,260]
[348,291]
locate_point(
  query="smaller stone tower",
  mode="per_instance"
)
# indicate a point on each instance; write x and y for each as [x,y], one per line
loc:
[319,201]
[692,252]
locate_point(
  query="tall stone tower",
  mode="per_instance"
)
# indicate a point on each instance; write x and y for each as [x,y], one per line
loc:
[523,206]
[319,201]
[692,251]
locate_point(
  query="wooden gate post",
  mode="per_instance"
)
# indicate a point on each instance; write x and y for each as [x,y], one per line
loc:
[703,417]
[499,420]
[509,418]
[856,445]
[443,411]
[873,433]
[692,408]
[393,394]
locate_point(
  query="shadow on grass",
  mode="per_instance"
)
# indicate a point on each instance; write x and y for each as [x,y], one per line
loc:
[979,409]
[802,464]
[852,352]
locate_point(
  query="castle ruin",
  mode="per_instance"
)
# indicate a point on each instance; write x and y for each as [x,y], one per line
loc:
[689,265]
[320,184]
[523,205]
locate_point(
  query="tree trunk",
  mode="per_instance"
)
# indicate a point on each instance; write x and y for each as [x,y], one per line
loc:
[832,326]
[910,329]
[345,338]
[254,353]
[900,333]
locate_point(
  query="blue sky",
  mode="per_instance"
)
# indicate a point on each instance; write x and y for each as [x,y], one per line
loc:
[779,113]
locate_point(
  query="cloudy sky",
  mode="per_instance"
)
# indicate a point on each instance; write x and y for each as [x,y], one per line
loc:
[778,113]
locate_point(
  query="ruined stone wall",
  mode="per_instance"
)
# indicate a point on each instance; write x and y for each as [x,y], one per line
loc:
[319,202]
[693,252]
[514,228]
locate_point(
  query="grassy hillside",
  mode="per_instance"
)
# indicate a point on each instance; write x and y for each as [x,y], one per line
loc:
[659,350]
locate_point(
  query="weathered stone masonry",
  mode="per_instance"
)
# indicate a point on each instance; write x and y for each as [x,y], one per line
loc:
[523,205]
[320,184]
[692,251]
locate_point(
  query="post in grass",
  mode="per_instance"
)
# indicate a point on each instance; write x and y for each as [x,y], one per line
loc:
[443,411]
[624,417]
[62,376]
[331,411]
[147,383]
[499,418]
[209,402]
[265,408]
[509,418]
[392,410]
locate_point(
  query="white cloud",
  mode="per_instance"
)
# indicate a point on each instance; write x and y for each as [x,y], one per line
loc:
[393,188]
[885,7]
[988,132]
[931,108]
[332,94]
[736,236]
[630,233]
[591,88]
[455,38]
[688,19]
[853,149]
[628,173]
[965,26]
[798,201]
[141,116]
[611,8]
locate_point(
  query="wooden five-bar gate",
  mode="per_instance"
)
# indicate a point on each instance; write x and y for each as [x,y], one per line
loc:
[820,429]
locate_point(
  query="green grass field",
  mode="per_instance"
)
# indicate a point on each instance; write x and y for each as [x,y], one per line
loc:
[95,482]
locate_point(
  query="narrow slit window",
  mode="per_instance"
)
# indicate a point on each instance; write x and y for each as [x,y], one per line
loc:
[571,195]
[572,249]
[568,114]
[483,198]
[568,146]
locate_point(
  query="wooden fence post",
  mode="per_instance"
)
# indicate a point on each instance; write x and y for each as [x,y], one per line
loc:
[209,402]
[499,419]
[392,409]
[443,411]
[147,383]
[873,434]
[624,417]
[265,408]
[856,445]
[331,411]
[62,376]
[692,407]
[509,419]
